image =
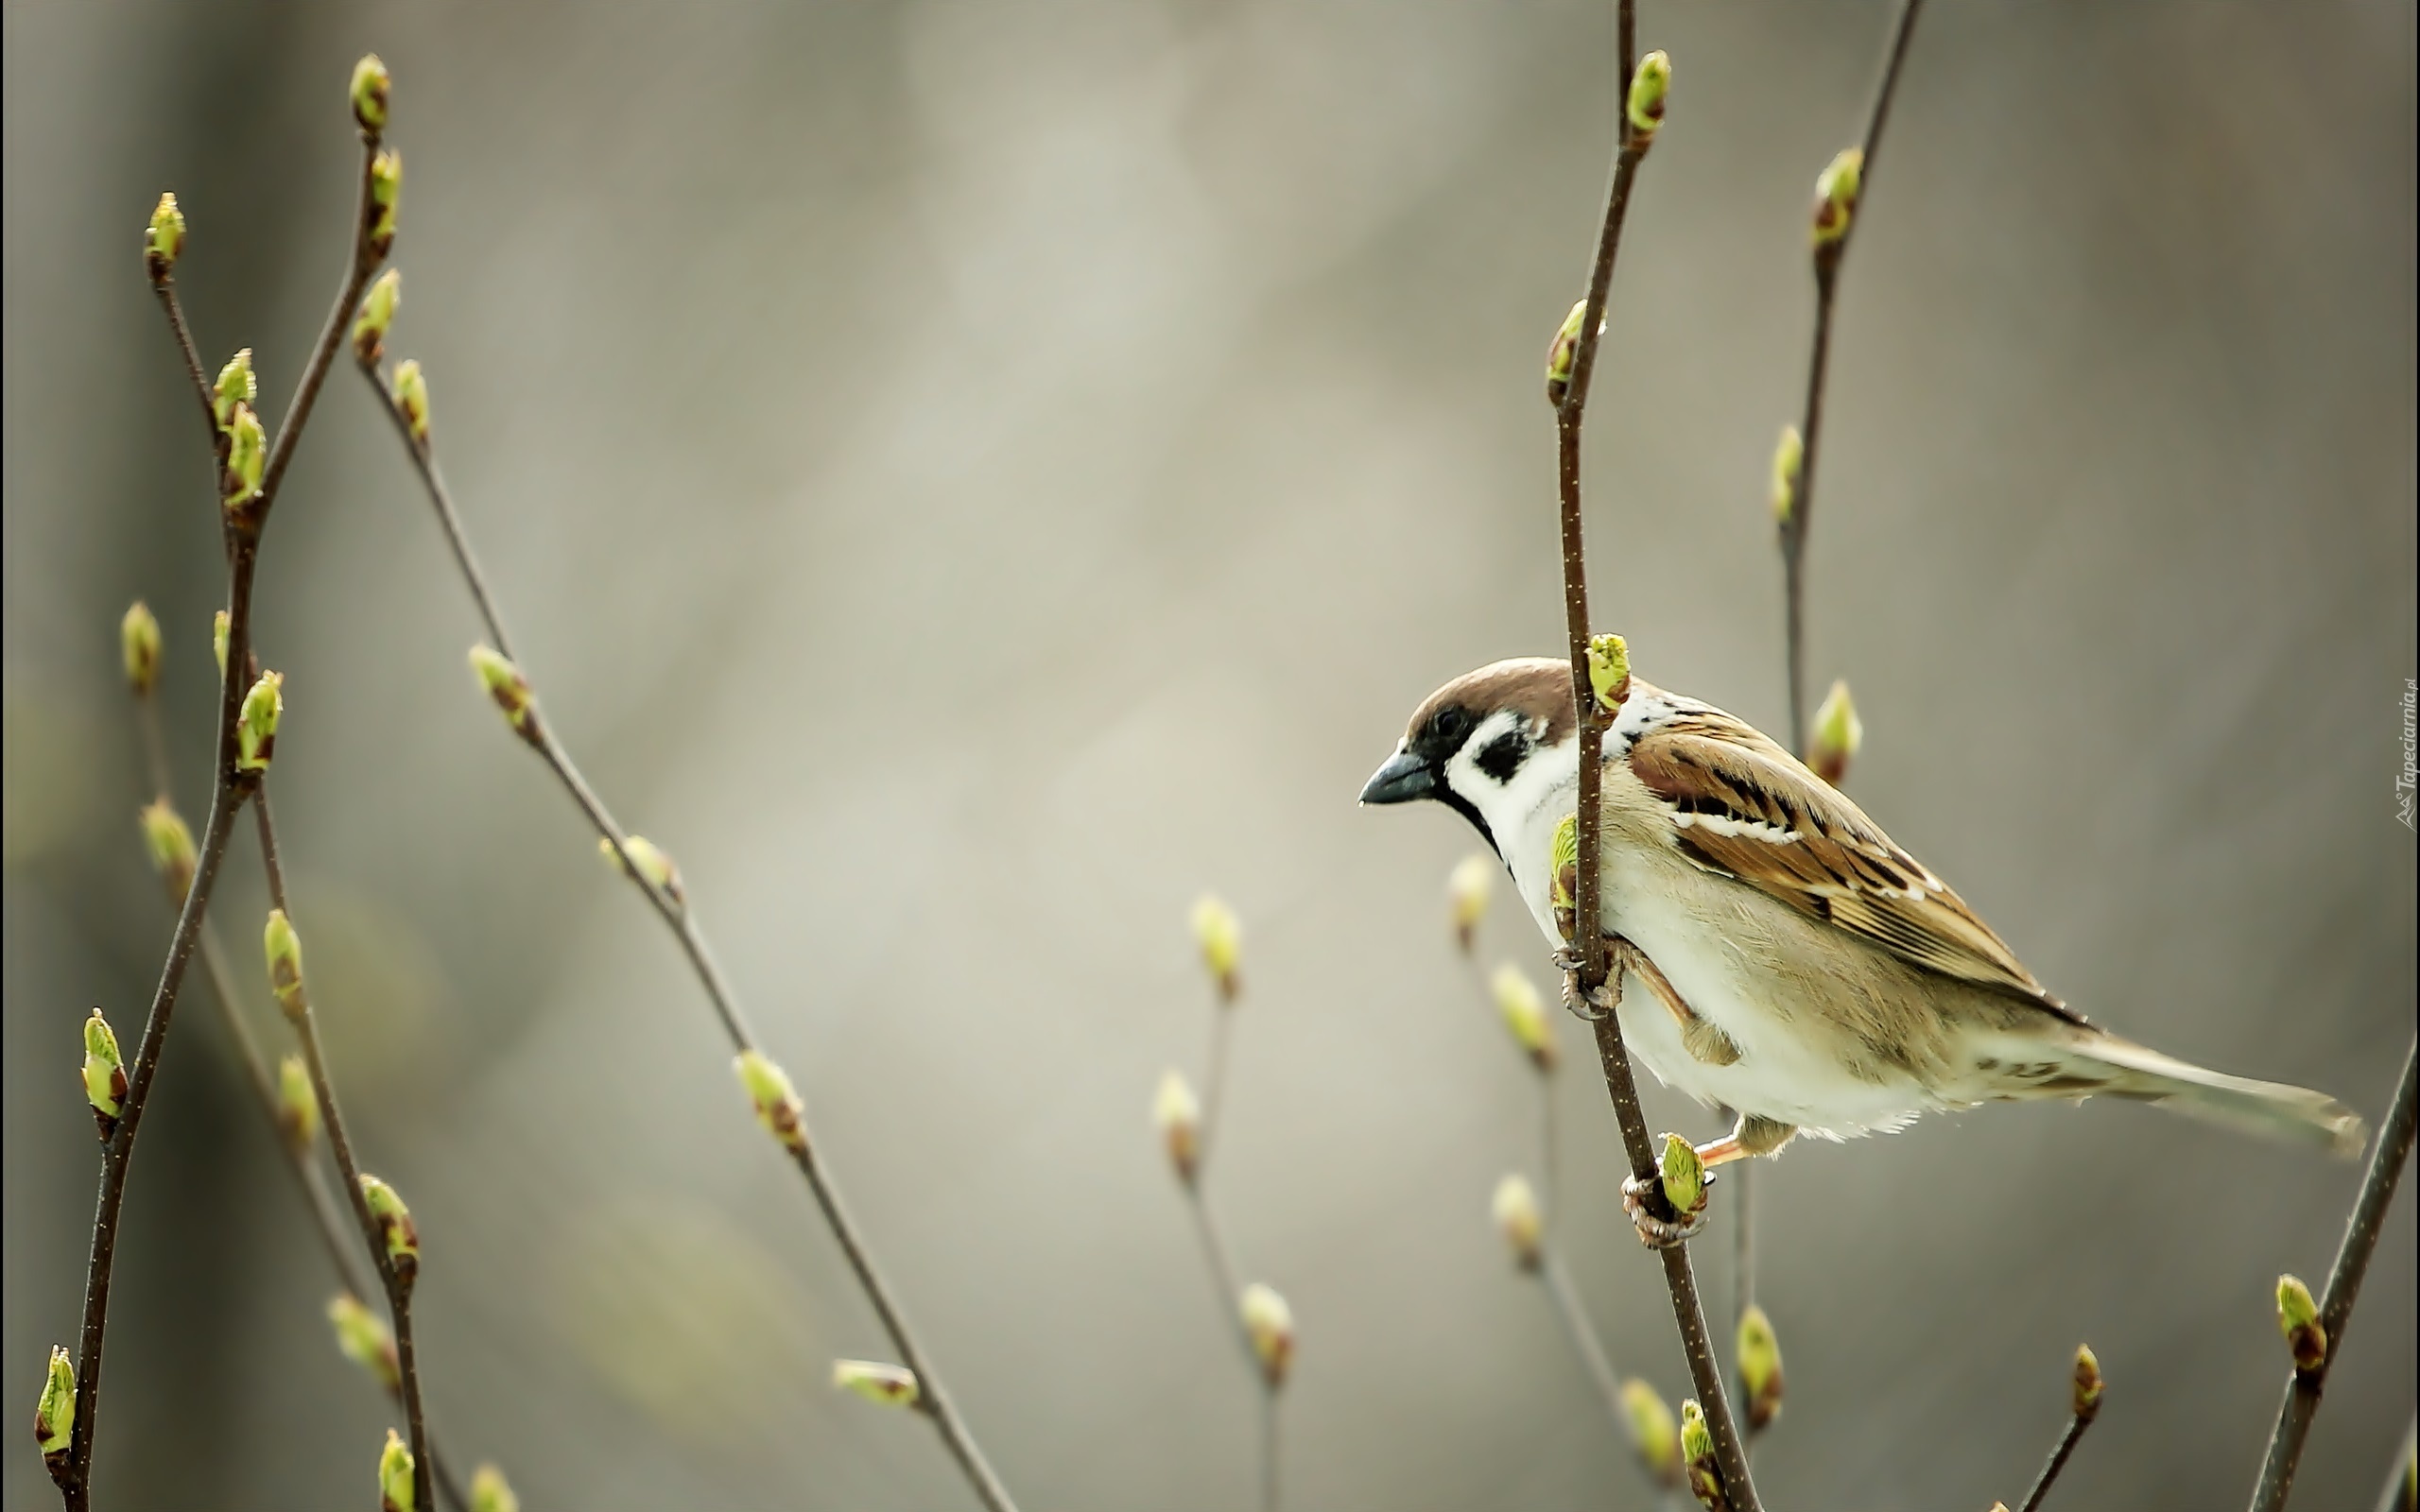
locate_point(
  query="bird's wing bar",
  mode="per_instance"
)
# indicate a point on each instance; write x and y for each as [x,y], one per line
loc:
[1741,805]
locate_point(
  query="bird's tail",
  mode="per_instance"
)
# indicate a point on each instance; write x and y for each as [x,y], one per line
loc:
[2092,1060]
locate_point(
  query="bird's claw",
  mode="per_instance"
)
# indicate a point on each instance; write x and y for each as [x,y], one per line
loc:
[1641,1199]
[1595,1004]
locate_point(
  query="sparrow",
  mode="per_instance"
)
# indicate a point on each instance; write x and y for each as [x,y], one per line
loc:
[1788,960]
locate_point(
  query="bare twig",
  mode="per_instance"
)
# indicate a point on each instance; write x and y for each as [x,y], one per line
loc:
[394,1282]
[2057,1462]
[1679,1279]
[933,1400]
[2301,1403]
[2083,1409]
[1578,1327]
[2399,1493]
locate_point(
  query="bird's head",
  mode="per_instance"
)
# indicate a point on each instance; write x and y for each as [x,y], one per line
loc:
[1492,745]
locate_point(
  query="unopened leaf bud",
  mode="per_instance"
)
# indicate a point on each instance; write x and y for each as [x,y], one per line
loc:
[2298,1320]
[369,87]
[395,1228]
[298,1105]
[1835,191]
[378,314]
[1220,934]
[1525,1014]
[256,723]
[1177,1113]
[1696,1458]
[163,238]
[1564,352]
[104,1074]
[652,864]
[893,1385]
[508,687]
[171,846]
[1759,1366]
[1517,1218]
[1467,889]
[138,636]
[1609,670]
[219,641]
[1644,109]
[55,1415]
[1269,1324]
[776,1100]
[386,198]
[1789,457]
[1565,857]
[1837,734]
[283,947]
[2087,1384]
[395,1490]
[247,456]
[412,397]
[1683,1174]
[238,383]
[1652,1432]
[491,1492]
[362,1337]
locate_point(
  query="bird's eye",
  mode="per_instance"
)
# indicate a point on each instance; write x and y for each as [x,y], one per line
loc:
[1451,726]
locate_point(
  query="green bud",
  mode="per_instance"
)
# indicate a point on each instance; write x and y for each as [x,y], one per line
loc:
[2298,1320]
[1789,457]
[491,1492]
[256,723]
[508,687]
[1177,1113]
[104,1074]
[298,1104]
[1837,734]
[412,397]
[386,198]
[237,384]
[395,1228]
[652,864]
[1652,1432]
[1220,934]
[1759,1367]
[247,455]
[362,1338]
[892,1386]
[1524,1013]
[378,314]
[138,637]
[1565,859]
[1517,1218]
[395,1491]
[1565,351]
[1269,1323]
[776,1100]
[370,84]
[1683,1175]
[55,1415]
[219,641]
[1647,87]
[2087,1384]
[1609,670]
[171,846]
[283,947]
[163,238]
[1836,190]
[1467,889]
[1696,1458]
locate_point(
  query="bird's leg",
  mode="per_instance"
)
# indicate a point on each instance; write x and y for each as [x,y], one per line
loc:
[1600,1002]
[1752,1136]
[1702,1038]
[1646,1204]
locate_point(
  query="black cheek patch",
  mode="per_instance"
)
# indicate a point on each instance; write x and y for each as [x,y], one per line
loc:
[1502,757]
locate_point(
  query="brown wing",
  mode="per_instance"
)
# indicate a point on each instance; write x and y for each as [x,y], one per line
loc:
[1743,806]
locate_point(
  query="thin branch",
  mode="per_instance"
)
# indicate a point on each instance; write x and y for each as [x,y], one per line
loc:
[2399,1494]
[396,1284]
[2301,1403]
[165,289]
[2057,1462]
[1689,1313]
[1581,1330]
[933,1400]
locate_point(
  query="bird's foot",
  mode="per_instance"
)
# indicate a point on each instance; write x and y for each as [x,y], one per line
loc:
[1594,1004]
[1645,1202]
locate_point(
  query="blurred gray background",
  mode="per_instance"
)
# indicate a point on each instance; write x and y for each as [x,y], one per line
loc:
[970,475]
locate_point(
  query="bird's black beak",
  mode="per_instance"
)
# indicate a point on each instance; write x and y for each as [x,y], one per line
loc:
[1404,777]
